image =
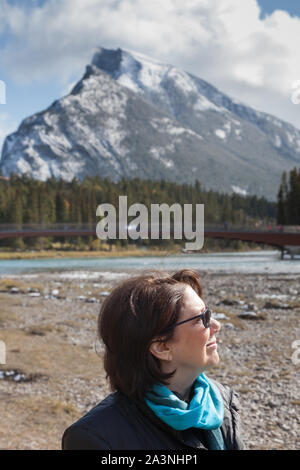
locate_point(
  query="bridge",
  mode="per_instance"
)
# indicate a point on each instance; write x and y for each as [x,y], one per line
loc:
[287,239]
[287,242]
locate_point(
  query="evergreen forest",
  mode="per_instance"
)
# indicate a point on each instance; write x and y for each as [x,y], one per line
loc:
[24,200]
[288,204]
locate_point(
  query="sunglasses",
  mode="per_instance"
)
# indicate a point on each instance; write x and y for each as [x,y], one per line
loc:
[205,316]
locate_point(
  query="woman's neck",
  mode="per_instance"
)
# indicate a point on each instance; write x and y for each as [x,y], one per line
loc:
[183,379]
[183,383]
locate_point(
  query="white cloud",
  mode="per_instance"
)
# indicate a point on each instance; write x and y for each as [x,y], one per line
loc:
[223,41]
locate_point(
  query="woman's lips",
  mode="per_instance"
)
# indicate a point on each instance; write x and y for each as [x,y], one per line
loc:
[213,344]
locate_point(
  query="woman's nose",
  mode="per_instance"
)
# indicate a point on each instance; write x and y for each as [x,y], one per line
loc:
[215,325]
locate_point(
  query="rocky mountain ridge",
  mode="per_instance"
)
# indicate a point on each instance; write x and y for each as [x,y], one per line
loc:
[133,116]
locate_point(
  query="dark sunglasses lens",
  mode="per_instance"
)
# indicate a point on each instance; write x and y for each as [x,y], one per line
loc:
[206,318]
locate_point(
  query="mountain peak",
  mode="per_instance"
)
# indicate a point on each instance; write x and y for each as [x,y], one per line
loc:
[131,69]
[133,116]
[107,59]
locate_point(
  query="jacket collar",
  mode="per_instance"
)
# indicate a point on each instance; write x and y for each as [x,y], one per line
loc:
[187,437]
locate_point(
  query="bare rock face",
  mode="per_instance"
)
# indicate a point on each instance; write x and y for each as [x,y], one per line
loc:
[131,116]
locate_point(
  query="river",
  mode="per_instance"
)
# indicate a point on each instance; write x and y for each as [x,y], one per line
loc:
[235,262]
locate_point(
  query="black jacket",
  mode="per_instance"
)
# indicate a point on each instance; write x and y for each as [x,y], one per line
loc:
[120,423]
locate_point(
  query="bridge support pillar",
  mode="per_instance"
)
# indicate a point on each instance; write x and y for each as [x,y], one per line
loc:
[292,250]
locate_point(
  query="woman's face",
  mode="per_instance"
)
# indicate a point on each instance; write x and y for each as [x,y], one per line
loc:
[194,346]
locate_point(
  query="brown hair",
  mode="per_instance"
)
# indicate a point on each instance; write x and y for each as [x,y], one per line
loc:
[131,318]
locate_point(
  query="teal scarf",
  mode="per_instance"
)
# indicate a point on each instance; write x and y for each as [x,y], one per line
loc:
[215,439]
[205,410]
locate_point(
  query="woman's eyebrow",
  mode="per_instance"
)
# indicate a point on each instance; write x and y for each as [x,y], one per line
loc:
[198,312]
[203,309]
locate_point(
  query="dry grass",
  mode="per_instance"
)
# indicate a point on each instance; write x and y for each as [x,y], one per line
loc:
[57,359]
[84,254]
[7,308]
[294,304]
[6,315]
[245,390]
[42,406]
[42,330]
[6,284]
[284,373]
[232,317]
[43,414]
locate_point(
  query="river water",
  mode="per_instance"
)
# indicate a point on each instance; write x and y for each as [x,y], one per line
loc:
[242,262]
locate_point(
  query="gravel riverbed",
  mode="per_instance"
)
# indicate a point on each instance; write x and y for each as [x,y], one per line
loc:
[54,373]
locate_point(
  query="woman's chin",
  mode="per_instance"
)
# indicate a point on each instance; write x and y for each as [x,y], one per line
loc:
[213,359]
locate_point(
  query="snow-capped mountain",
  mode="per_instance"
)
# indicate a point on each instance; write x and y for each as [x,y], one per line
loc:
[135,117]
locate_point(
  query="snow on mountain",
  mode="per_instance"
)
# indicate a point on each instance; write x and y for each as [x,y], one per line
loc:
[133,116]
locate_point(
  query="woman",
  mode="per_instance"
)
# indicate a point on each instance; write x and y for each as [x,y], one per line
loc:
[159,339]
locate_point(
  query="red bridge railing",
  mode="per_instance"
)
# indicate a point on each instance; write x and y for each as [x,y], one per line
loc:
[279,236]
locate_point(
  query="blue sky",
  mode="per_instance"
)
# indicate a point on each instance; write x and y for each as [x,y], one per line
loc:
[247,48]
[291,6]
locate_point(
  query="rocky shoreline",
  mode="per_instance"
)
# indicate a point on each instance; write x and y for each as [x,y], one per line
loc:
[54,374]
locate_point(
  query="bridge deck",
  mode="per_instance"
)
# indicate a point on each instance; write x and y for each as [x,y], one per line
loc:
[276,238]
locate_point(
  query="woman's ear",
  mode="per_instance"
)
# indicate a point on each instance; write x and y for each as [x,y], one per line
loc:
[161,350]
